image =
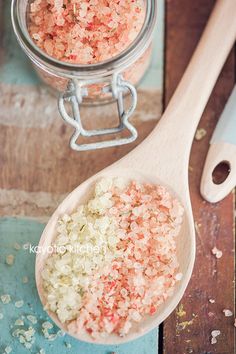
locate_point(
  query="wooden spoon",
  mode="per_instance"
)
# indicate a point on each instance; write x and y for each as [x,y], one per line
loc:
[163,158]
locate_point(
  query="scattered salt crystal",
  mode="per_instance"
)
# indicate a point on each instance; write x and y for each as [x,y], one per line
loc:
[41,351]
[213,340]
[32,319]
[47,325]
[200,133]
[1,316]
[49,336]
[8,349]
[25,337]
[5,298]
[215,334]
[19,322]
[217,252]
[212,301]
[29,333]
[10,259]
[28,345]
[227,313]
[19,303]
[68,345]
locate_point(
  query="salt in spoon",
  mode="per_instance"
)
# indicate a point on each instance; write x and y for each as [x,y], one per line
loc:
[163,158]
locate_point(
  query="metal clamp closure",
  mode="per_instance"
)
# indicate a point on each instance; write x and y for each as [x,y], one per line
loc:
[75,93]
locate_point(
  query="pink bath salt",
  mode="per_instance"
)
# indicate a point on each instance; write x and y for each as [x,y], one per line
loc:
[144,275]
[85,32]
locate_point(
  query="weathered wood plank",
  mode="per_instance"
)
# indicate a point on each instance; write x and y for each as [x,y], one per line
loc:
[188,329]
[39,159]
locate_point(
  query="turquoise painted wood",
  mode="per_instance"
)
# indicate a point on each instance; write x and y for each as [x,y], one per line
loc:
[16,68]
[226,128]
[28,231]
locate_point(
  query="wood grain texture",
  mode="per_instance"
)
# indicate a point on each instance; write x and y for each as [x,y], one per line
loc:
[188,329]
[39,159]
[167,165]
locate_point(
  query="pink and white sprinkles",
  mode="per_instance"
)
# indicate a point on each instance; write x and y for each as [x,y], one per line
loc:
[134,269]
[85,32]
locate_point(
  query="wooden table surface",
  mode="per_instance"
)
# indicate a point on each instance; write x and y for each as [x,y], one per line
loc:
[188,329]
[33,162]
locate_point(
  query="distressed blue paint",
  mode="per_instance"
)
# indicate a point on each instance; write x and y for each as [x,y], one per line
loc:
[225,130]
[154,76]
[17,68]
[22,230]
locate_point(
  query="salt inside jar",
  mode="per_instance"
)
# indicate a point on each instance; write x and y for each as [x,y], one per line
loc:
[89,51]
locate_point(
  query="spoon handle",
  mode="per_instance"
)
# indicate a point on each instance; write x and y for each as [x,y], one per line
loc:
[180,120]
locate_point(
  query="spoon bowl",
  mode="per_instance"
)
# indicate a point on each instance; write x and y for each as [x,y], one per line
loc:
[163,159]
[185,251]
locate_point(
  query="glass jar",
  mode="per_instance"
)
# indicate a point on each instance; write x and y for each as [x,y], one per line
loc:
[92,83]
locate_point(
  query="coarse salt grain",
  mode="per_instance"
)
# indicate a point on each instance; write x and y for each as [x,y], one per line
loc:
[106,292]
[227,313]
[200,134]
[32,319]
[8,350]
[1,316]
[41,351]
[10,259]
[213,340]
[19,322]
[50,337]
[19,303]
[47,325]
[212,301]
[214,334]
[25,337]
[217,252]
[85,32]
[5,298]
